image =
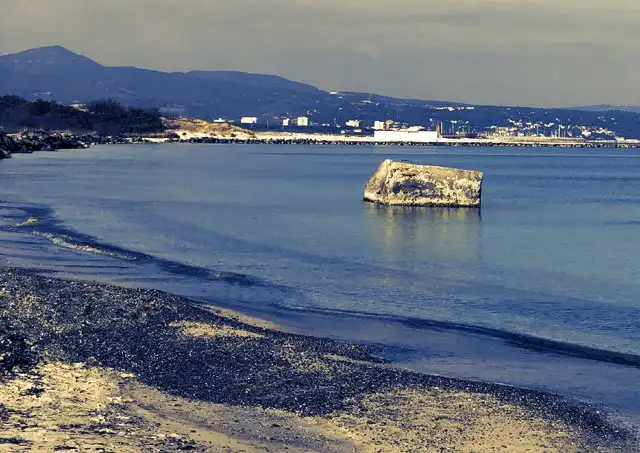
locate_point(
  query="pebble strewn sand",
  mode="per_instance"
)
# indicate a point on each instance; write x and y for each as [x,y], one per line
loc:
[90,367]
[434,420]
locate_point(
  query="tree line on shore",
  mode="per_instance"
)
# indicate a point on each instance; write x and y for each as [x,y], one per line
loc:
[102,117]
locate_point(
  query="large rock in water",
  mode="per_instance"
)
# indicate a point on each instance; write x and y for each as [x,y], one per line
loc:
[407,184]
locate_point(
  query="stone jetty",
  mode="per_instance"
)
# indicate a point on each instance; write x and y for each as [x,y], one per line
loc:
[407,184]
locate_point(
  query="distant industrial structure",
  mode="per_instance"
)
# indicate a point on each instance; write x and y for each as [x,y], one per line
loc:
[406,136]
[379,131]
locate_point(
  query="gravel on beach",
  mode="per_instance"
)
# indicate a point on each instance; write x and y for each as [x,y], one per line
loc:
[149,365]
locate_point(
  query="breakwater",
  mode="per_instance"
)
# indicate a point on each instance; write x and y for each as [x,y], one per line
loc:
[367,141]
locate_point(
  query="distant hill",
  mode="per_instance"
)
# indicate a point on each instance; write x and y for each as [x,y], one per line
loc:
[55,73]
[607,108]
[262,81]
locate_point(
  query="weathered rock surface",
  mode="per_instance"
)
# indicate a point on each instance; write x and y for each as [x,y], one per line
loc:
[408,184]
[31,140]
[28,141]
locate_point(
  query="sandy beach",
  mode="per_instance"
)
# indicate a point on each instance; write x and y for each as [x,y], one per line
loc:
[92,367]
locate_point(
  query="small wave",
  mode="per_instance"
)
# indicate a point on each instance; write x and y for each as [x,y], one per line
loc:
[518,340]
[26,216]
[69,243]
[533,343]
[29,221]
[175,267]
[86,244]
[41,222]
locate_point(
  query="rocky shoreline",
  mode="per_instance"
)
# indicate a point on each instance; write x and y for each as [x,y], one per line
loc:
[147,360]
[27,142]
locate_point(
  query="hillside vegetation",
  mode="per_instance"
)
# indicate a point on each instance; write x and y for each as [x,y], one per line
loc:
[105,117]
[186,128]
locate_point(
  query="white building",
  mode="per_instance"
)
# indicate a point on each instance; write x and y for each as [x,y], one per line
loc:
[285,122]
[220,120]
[352,123]
[406,136]
[81,107]
[248,120]
[302,121]
[379,125]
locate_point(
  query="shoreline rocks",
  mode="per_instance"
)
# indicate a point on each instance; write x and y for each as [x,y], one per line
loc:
[29,141]
[407,184]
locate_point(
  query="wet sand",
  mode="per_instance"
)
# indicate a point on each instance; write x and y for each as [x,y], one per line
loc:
[91,367]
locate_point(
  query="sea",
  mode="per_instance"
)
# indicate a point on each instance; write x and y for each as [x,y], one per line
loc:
[539,288]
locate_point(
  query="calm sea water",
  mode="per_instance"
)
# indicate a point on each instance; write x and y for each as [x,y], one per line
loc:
[539,288]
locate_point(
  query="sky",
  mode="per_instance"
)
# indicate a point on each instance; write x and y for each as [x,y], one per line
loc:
[510,52]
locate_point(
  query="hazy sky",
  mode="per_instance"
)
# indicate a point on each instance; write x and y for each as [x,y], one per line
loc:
[525,52]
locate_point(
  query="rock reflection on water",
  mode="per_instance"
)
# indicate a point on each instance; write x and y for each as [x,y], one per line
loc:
[427,233]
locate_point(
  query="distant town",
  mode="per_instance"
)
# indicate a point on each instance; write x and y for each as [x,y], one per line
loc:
[433,130]
[452,128]
[102,122]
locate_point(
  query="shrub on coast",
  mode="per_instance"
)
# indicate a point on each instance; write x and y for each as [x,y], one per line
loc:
[105,117]
[7,145]
[112,118]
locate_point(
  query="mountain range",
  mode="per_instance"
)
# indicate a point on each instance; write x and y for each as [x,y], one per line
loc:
[56,73]
[608,108]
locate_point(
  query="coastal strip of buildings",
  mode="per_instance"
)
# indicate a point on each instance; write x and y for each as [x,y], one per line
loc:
[390,131]
[300,131]
[383,131]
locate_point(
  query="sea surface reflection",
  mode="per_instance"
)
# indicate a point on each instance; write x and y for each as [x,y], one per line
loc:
[429,233]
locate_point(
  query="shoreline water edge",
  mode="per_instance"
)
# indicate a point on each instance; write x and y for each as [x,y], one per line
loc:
[28,142]
[140,370]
